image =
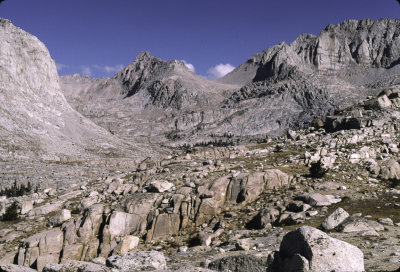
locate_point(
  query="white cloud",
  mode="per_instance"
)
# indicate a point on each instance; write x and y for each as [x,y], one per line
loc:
[219,70]
[86,70]
[109,69]
[60,66]
[189,66]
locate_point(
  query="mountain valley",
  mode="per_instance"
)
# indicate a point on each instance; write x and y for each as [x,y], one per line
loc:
[288,163]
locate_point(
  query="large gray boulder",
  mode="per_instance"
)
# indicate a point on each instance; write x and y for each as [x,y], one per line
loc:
[46,209]
[275,179]
[138,261]
[60,217]
[390,170]
[317,199]
[43,260]
[163,226]
[263,218]
[127,244]
[26,206]
[335,219]
[322,252]
[160,186]
[359,224]
[246,188]
[9,258]
[378,103]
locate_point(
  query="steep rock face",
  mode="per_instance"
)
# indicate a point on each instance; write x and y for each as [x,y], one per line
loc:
[354,52]
[35,118]
[366,42]
[351,44]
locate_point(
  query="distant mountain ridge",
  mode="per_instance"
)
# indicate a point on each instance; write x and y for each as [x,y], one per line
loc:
[351,44]
[285,86]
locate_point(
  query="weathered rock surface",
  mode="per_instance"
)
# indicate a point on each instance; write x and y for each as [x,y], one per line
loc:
[263,218]
[138,261]
[390,170]
[317,199]
[322,252]
[60,217]
[26,206]
[240,263]
[122,224]
[160,186]
[76,266]
[335,219]
[41,248]
[45,209]
[358,224]
[15,268]
[127,244]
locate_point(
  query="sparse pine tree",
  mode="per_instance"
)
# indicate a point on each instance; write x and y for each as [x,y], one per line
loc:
[29,187]
[317,170]
[11,213]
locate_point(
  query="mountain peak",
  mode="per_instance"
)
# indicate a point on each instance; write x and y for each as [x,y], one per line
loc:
[4,21]
[144,57]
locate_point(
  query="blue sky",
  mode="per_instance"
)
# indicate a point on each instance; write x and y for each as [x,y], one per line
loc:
[98,37]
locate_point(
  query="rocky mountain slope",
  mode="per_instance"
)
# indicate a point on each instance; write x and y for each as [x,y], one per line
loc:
[36,121]
[143,101]
[238,208]
[285,86]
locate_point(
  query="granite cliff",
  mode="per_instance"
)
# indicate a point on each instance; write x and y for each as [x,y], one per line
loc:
[36,120]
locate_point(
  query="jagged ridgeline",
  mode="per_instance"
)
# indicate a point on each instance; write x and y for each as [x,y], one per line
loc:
[285,86]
